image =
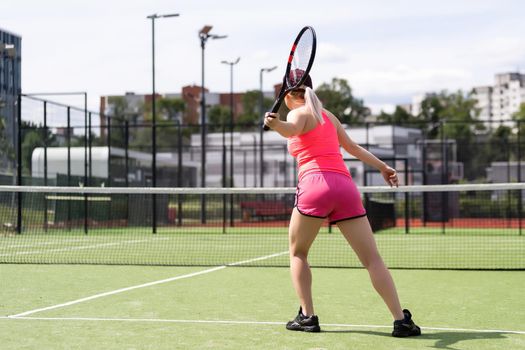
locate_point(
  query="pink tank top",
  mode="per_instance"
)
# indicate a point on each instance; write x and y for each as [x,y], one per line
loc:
[318,150]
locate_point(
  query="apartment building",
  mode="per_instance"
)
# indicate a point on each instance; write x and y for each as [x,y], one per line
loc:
[10,88]
[501,100]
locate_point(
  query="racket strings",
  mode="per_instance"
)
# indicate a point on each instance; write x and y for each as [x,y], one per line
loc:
[301,57]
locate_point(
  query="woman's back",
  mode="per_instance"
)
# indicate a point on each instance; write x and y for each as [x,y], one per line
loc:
[318,149]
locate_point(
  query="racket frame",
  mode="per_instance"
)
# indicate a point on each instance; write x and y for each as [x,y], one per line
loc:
[285,87]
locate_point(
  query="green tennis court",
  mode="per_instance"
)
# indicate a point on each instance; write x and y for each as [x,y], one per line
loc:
[209,246]
[246,308]
[83,274]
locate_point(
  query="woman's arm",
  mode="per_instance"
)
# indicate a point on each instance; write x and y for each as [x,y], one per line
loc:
[349,145]
[294,124]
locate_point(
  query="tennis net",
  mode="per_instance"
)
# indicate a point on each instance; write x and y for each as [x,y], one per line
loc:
[422,227]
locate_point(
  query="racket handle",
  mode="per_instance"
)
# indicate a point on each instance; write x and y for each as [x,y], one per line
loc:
[275,108]
[266,127]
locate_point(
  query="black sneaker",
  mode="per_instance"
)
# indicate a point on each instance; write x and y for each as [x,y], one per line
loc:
[405,327]
[304,323]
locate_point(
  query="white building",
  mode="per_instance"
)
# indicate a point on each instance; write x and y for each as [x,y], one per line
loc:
[503,99]
[414,106]
[99,165]
[278,170]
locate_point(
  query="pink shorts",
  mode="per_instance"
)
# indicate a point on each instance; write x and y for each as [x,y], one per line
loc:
[329,195]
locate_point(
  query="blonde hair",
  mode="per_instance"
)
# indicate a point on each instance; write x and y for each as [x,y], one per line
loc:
[312,102]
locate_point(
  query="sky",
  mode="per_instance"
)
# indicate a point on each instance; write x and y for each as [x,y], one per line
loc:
[388,51]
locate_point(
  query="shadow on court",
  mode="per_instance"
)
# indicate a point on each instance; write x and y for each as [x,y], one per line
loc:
[444,340]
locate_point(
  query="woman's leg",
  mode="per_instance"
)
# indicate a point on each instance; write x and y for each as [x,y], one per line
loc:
[302,232]
[359,234]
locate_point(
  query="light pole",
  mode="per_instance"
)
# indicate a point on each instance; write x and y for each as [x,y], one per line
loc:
[154,117]
[231,64]
[204,35]
[261,109]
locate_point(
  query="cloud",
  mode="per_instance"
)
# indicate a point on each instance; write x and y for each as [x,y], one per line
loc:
[498,50]
[377,108]
[405,79]
[331,53]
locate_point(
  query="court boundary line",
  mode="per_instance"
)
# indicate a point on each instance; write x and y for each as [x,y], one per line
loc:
[236,322]
[144,285]
[81,247]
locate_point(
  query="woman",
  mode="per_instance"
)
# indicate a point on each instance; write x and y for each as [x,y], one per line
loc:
[325,190]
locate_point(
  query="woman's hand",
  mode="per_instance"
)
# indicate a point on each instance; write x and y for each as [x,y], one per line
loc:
[271,119]
[390,176]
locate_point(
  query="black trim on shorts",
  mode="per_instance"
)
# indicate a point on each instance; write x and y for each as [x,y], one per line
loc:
[350,218]
[312,216]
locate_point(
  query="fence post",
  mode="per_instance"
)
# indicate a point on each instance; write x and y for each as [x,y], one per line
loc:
[45,164]
[223,177]
[443,177]
[179,173]
[19,166]
[108,133]
[154,173]
[90,144]
[520,197]
[407,199]
[85,164]
[68,141]
[231,172]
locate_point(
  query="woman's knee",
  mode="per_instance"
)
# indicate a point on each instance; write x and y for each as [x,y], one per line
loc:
[374,261]
[298,253]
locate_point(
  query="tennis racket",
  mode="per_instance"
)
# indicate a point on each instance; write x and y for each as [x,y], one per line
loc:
[299,64]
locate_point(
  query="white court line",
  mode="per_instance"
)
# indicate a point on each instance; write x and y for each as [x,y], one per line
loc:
[233,322]
[38,244]
[82,247]
[149,284]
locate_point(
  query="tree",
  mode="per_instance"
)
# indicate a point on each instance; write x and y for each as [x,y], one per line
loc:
[454,116]
[5,145]
[431,115]
[171,108]
[337,97]
[460,114]
[32,137]
[498,145]
[399,117]
[139,137]
[519,117]
[218,116]
[449,115]
[251,108]
[119,114]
